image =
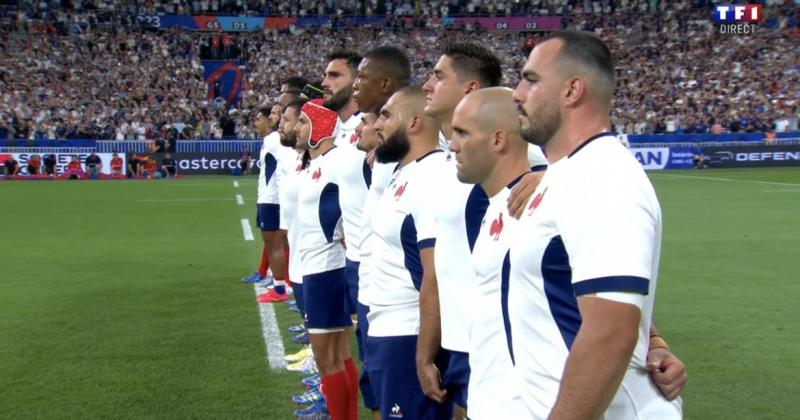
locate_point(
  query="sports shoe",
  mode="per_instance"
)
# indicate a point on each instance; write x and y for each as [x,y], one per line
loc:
[309,397]
[294,308]
[253,278]
[300,355]
[312,381]
[271,297]
[314,411]
[297,329]
[307,366]
[301,338]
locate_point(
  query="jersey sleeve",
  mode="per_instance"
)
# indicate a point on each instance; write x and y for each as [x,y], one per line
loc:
[610,227]
[424,213]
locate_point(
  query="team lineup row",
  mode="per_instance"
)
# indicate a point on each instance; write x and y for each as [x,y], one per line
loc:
[484,280]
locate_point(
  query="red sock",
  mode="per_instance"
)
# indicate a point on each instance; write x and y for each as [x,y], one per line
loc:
[262,268]
[352,375]
[335,388]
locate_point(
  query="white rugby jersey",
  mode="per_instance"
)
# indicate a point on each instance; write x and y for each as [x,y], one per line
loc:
[491,370]
[381,174]
[288,194]
[271,154]
[404,223]
[346,131]
[355,176]
[460,210]
[593,225]
[320,216]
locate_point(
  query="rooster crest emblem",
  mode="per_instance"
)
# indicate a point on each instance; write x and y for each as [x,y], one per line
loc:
[399,191]
[315,176]
[536,201]
[497,227]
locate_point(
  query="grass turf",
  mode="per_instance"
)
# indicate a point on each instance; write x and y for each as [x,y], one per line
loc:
[116,307]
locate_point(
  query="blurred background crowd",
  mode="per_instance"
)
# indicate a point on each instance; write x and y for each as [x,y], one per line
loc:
[87,69]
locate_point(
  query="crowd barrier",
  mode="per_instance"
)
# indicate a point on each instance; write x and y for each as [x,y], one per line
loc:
[196,157]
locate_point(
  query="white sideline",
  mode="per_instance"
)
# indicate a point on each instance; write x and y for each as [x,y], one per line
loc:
[271,333]
[269,324]
[235,184]
[239,200]
[246,231]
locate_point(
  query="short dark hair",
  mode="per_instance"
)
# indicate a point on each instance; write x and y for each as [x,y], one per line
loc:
[265,110]
[474,61]
[394,62]
[587,50]
[352,59]
[297,104]
[295,83]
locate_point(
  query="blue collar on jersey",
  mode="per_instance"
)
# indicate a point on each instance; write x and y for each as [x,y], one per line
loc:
[326,152]
[591,139]
[517,179]
[429,153]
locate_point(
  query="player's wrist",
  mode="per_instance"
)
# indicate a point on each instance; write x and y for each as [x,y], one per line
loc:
[657,342]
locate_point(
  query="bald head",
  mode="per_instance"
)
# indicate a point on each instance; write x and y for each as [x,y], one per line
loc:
[493,109]
[486,135]
[410,102]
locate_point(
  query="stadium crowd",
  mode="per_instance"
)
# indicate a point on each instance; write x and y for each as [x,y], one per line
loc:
[71,77]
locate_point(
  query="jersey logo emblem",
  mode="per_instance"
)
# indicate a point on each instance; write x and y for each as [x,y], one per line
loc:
[353,138]
[315,176]
[497,227]
[397,413]
[536,201]
[399,191]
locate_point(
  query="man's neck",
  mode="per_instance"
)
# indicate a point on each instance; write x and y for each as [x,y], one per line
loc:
[571,136]
[348,110]
[447,126]
[506,169]
[420,147]
[324,146]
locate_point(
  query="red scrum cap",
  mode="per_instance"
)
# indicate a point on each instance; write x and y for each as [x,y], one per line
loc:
[323,121]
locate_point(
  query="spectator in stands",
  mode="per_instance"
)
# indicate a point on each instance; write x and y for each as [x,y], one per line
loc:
[116,164]
[94,164]
[34,165]
[169,168]
[50,164]
[12,166]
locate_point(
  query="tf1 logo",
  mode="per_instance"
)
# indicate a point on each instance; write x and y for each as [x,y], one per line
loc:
[738,13]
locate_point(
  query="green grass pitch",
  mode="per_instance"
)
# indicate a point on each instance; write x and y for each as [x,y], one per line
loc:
[117,300]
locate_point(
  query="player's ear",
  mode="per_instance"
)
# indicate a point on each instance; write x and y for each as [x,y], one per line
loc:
[498,140]
[414,124]
[472,86]
[574,90]
[387,86]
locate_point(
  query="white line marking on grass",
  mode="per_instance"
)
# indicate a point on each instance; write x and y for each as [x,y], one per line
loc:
[711,178]
[182,200]
[235,184]
[239,200]
[271,333]
[246,231]
[781,191]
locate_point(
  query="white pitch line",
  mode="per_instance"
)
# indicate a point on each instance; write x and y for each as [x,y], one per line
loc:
[235,184]
[239,200]
[711,178]
[246,231]
[271,333]
[181,200]
[781,191]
